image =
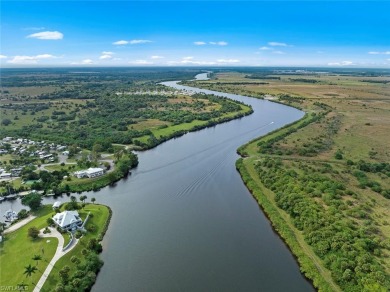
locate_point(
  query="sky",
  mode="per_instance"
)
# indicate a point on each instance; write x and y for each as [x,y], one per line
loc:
[195,33]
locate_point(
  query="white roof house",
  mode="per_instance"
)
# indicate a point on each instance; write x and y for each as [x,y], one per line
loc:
[5,175]
[68,220]
[90,172]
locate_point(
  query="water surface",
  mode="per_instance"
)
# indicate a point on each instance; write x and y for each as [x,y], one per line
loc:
[184,220]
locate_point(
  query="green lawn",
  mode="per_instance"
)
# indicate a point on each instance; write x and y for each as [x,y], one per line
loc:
[17,250]
[100,216]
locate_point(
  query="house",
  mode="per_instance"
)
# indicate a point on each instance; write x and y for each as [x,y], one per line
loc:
[5,175]
[16,171]
[90,172]
[68,220]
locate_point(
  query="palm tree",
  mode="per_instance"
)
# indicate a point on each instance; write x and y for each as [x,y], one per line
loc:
[37,258]
[93,200]
[29,270]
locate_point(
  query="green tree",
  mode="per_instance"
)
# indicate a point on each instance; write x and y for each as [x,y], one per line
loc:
[22,214]
[83,198]
[64,274]
[37,258]
[338,155]
[6,122]
[93,200]
[33,200]
[29,270]
[33,232]
[75,260]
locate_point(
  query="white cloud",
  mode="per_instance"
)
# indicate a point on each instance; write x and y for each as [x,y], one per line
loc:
[86,62]
[83,62]
[379,53]
[265,48]
[3,57]
[343,63]
[106,55]
[190,61]
[132,42]
[199,43]
[220,43]
[276,44]
[29,59]
[141,62]
[228,61]
[120,43]
[278,52]
[156,57]
[47,35]
[135,42]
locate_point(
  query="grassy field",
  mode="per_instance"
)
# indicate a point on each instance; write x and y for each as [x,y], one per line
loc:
[24,113]
[17,251]
[169,131]
[351,119]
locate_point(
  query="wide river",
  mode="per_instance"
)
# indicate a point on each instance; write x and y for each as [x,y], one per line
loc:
[184,220]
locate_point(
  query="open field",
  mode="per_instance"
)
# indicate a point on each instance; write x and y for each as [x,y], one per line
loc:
[17,251]
[338,156]
[103,107]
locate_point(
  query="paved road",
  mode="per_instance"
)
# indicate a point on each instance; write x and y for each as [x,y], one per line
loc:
[59,253]
[19,224]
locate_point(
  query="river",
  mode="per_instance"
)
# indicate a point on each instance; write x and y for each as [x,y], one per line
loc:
[184,220]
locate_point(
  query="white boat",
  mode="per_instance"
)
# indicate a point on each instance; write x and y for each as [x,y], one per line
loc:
[10,216]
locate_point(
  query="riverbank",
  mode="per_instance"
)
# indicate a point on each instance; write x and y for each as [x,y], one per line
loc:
[316,181]
[162,135]
[186,203]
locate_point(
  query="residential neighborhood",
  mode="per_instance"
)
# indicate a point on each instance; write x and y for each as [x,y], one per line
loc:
[51,169]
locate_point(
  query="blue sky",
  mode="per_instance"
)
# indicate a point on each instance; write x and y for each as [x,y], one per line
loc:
[199,33]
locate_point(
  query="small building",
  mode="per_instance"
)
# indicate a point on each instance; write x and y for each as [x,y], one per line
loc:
[68,220]
[16,171]
[90,172]
[5,175]
[56,205]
